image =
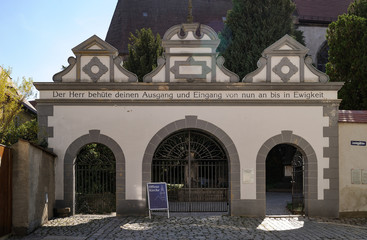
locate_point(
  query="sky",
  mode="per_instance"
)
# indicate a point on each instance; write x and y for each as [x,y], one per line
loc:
[37,36]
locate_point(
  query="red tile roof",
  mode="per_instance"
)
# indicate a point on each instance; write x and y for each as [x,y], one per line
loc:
[353,116]
[320,10]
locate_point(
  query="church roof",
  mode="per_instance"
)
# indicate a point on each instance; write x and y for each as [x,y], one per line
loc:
[160,15]
[320,11]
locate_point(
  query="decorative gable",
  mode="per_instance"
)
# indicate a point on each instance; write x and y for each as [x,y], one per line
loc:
[285,61]
[190,56]
[95,61]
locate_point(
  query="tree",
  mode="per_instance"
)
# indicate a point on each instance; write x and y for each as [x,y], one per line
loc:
[143,52]
[250,27]
[11,97]
[27,131]
[358,8]
[347,40]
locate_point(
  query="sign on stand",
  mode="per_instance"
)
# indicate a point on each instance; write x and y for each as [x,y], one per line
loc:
[157,197]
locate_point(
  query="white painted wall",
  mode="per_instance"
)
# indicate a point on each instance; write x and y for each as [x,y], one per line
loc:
[353,197]
[134,126]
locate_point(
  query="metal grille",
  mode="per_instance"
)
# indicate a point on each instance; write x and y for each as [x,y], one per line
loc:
[195,168]
[95,185]
[297,183]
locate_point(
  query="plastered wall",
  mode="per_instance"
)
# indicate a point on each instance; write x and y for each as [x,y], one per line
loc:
[132,127]
[353,196]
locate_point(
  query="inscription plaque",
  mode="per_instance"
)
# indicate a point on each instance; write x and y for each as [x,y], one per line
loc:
[356,176]
[364,176]
[248,175]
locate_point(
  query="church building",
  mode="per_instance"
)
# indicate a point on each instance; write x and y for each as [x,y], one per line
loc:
[312,17]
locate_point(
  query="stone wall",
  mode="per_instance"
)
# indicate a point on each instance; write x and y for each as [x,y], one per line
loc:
[33,187]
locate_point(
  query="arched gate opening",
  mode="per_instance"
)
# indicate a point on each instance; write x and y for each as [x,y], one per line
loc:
[195,167]
[284,180]
[95,180]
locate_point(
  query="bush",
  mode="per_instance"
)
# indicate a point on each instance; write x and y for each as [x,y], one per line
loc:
[144,49]
[251,26]
[27,131]
[347,40]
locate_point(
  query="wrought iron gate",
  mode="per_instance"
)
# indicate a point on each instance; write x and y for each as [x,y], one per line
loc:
[297,183]
[95,184]
[195,168]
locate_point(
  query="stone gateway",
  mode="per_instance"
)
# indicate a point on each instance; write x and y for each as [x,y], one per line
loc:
[195,125]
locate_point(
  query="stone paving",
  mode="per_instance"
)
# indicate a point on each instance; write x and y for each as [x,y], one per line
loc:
[198,226]
[276,203]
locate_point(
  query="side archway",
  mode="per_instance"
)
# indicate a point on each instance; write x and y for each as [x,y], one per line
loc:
[192,122]
[94,136]
[310,164]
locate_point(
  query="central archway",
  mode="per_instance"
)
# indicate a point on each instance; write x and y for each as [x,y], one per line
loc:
[195,168]
[221,137]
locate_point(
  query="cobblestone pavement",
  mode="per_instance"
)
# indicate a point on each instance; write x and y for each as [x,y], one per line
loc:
[80,227]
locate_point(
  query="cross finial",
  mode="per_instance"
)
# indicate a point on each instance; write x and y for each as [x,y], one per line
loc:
[190,18]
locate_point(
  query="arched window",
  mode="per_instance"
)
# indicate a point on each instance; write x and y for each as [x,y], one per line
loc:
[323,56]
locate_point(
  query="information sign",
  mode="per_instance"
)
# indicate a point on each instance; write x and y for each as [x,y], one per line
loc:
[358,143]
[157,197]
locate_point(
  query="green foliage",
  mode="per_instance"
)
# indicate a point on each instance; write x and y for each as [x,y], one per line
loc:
[143,52]
[298,35]
[347,40]
[93,152]
[358,8]
[252,26]
[27,131]
[12,94]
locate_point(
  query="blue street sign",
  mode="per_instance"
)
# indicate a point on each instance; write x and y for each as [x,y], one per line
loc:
[358,143]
